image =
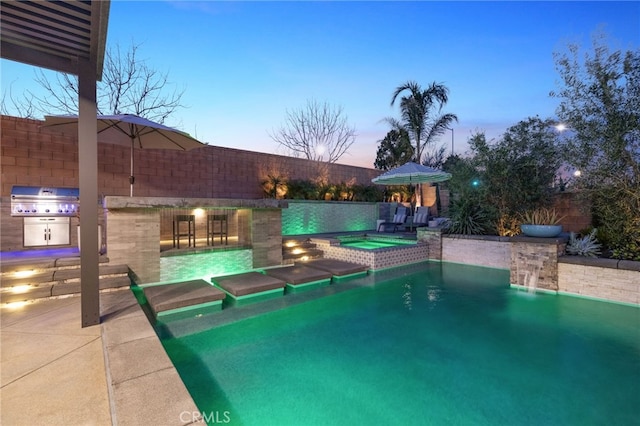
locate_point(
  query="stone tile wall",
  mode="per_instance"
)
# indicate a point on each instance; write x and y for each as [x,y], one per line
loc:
[600,278]
[133,237]
[266,229]
[432,237]
[494,252]
[534,262]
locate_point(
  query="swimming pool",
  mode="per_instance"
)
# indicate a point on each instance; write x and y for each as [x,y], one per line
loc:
[431,343]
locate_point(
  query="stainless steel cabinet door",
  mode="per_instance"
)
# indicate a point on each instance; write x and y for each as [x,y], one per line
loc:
[46,231]
[36,231]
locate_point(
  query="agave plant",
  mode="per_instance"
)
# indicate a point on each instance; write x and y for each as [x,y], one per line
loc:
[541,216]
[584,246]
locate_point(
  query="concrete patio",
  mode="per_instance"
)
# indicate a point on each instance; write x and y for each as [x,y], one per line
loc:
[54,372]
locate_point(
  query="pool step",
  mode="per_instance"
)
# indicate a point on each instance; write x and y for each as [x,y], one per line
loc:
[34,279]
[298,249]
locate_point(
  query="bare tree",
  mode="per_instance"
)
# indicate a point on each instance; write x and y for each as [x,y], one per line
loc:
[10,105]
[318,132]
[128,86]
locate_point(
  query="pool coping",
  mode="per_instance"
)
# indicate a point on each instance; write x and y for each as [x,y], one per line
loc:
[134,395]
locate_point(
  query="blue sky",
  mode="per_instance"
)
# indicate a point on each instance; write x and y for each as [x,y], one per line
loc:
[244,64]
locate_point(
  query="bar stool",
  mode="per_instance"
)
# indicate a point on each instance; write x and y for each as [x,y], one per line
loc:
[212,221]
[191,228]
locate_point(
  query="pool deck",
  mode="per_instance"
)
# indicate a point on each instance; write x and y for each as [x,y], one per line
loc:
[55,372]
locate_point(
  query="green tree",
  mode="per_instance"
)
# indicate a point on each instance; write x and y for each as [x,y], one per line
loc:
[394,150]
[503,178]
[468,210]
[600,103]
[421,113]
[518,170]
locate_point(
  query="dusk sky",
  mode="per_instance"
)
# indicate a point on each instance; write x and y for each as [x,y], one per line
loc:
[244,64]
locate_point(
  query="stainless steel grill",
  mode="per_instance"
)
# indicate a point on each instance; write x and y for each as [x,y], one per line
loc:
[41,201]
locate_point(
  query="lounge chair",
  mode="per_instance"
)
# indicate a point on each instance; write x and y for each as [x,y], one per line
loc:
[399,219]
[420,218]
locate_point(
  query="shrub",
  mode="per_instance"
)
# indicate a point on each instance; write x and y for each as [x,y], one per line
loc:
[584,246]
[468,218]
[508,225]
[541,216]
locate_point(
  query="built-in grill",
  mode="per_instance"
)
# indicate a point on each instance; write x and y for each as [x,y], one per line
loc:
[39,201]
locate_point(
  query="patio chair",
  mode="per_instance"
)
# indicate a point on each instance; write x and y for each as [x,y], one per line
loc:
[399,219]
[420,218]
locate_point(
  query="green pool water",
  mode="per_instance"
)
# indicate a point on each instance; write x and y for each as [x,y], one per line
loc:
[369,243]
[439,344]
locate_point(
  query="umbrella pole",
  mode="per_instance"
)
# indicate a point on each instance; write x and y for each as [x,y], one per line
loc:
[131,178]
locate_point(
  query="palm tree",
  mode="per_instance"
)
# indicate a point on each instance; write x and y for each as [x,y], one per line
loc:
[418,111]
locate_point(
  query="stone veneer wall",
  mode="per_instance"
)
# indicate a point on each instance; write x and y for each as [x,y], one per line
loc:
[611,279]
[608,279]
[432,237]
[266,231]
[534,261]
[133,237]
[491,251]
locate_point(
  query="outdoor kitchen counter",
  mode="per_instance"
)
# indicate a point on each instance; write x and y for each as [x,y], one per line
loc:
[121,202]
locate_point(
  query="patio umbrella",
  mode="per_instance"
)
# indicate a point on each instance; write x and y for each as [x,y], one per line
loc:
[129,130]
[411,174]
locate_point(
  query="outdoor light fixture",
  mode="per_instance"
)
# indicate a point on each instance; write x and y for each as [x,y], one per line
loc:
[577,173]
[15,305]
[24,274]
[561,127]
[19,289]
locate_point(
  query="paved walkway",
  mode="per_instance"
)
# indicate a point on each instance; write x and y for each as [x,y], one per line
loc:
[52,370]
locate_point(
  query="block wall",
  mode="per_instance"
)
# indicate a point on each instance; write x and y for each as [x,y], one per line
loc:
[575,211]
[35,156]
